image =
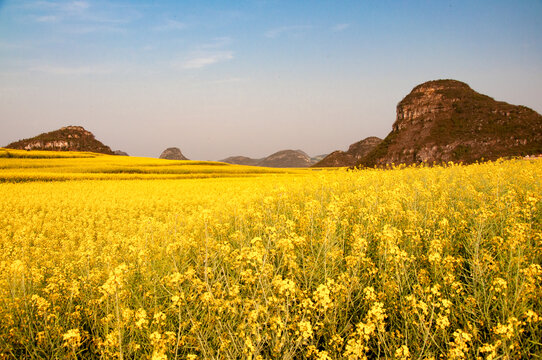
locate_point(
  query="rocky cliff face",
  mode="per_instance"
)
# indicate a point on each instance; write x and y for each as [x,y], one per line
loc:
[352,156]
[445,120]
[69,138]
[172,153]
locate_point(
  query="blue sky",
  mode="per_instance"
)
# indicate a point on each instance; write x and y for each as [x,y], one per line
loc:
[222,78]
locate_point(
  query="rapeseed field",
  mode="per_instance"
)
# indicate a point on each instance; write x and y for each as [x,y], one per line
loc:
[25,166]
[251,263]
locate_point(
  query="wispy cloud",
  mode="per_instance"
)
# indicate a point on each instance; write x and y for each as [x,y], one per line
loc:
[77,5]
[82,14]
[55,11]
[90,29]
[208,53]
[60,6]
[170,25]
[216,43]
[201,60]
[340,27]
[292,30]
[47,18]
[67,70]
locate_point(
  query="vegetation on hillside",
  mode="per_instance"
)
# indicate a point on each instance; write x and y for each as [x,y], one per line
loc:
[68,138]
[445,120]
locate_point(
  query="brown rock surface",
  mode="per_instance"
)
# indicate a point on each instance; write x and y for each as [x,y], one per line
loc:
[445,120]
[172,153]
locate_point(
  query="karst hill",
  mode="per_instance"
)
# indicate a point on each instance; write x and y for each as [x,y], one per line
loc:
[172,153]
[68,138]
[446,120]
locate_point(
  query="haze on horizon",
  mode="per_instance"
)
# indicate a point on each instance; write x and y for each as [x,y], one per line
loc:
[252,77]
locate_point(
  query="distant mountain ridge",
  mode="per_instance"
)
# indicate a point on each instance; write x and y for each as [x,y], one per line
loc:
[352,156]
[438,121]
[287,158]
[241,160]
[283,158]
[68,138]
[445,120]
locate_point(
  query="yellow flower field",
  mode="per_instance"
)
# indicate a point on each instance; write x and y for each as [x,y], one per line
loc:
[25,166]
[409,263]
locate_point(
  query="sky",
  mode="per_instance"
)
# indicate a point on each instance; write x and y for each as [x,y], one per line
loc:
[251,77]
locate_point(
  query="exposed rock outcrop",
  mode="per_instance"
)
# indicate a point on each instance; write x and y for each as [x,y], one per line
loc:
[120,153]
[172,153]
[69,138]
[352,156]
[445,120]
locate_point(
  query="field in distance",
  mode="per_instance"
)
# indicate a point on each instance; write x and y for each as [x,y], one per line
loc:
[410,263]
[22,166]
